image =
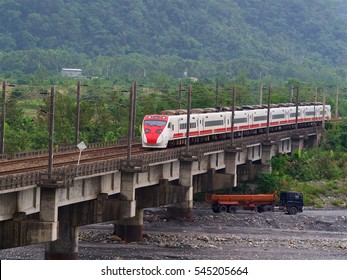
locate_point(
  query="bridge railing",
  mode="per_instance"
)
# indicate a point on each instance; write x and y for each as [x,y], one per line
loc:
[67,149]
[94,168]
[18,181]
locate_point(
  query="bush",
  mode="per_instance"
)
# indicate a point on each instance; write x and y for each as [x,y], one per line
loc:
[269,183]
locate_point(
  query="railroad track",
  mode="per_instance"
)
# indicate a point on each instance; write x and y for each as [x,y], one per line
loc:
[39,163]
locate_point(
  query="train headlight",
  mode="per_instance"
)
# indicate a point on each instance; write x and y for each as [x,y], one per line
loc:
[159,131]
[147,130]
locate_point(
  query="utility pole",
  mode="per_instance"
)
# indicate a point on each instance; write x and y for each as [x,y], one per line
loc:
[179,95]
[51,134]
[130,128]
[268,113]
[324,101]
[297,108]
[314,106]
[337,103]
[134,110]
[188,117]
[3,115]
[232,116]
[78,109]
[291,94]
[261,91]
[217,93]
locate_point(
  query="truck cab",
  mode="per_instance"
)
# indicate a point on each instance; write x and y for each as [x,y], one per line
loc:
[291,202]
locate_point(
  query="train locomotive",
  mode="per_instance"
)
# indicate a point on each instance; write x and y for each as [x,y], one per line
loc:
[169,128]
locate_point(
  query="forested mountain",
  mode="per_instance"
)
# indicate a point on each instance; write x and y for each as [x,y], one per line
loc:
[287,38]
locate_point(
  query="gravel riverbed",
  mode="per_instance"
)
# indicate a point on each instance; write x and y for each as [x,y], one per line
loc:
[245,235]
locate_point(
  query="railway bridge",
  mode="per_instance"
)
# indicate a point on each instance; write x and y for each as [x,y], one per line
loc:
[35,208]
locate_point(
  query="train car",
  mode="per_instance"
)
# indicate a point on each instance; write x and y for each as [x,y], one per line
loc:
[170,127]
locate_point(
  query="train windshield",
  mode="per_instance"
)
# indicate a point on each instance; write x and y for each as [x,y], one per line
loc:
[154,123]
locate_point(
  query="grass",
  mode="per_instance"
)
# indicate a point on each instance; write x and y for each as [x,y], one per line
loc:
[323,194]
[30,107]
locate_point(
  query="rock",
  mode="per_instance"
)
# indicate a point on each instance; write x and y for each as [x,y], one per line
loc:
[204,238]
[115,238]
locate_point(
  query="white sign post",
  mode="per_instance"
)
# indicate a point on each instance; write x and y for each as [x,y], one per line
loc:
[81,146]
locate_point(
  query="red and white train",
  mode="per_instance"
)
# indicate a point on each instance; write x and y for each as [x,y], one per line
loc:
[170,127]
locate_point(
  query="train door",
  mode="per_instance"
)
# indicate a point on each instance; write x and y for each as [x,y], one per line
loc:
[172,125]
[304,114]
[317,113]
[251,119]
[270,118]
[181,128]
[327,112]
[287,115]
[198,124]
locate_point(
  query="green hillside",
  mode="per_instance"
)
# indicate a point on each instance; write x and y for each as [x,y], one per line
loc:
[288,38]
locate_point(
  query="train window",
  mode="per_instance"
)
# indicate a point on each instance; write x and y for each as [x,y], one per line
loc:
[260,118]
[278,116]
[292,115]
[214,123]
[154,123]
[310,113]
[240,120]
[184,125]
[169,125]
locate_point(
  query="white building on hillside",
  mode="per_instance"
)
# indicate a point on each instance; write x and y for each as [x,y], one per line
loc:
[71,72]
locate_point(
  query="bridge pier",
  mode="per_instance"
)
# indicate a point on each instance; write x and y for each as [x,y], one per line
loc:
[231,163]
[66,246]
[268,151]
[48,204]
[183,210]
[21,231]
[71,217]
[13,232]
[130,230]
[130,227]
[312,140]
[298,142]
